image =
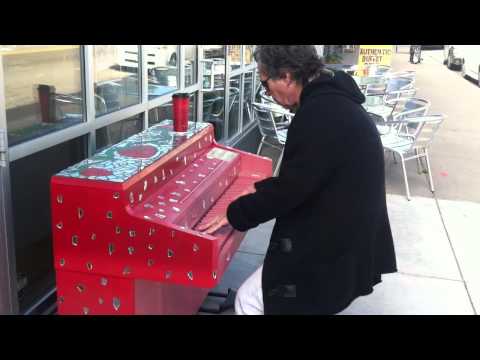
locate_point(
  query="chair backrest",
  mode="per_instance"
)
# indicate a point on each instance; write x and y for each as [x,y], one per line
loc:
[393,96]
[400,83]
[426,127]
[406,108]
[264,115]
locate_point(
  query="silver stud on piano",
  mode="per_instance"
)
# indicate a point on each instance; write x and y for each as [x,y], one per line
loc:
[150,262]
[190,275]
[131,197]
[86,310]
[185,160]
[126,271]
[195,248]
[100,301]
[104,281]
[80,213]
[116,303]
[175,209]
[163,174]
[176,159]
[60,226]
[212,200]
[180,182]
[111,249]
[132,233]
[155,179]
[62,262]
[161,216]
[151,231]
[150,247]
[148,206]
[94,236]
[195,165]
[60,199]
[161,210]
[228,257]
[187,190]
[201,175]
[171,172]
[75,240]
[169,253]
[173,201]
[89,266]
[147,217]
[140,197]
[168,275]
[199,146]
[194,155]
[131,250]
[204,204]
[80,288]
[116,196]
[109,215]
[162,203]
[145,185]
[214,275]
[118,230]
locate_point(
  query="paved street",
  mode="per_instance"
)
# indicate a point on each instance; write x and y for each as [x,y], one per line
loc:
[435,235]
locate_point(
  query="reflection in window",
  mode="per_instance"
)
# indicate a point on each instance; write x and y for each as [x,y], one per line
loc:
[116,77]
[162,64]
[235,56]
[190,64]
[214,88]
[43,89]
[32,222]
[249,54]
[247,98]
[234,107]
[116,132]
[165,111]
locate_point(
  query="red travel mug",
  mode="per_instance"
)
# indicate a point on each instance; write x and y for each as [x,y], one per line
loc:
[180,112]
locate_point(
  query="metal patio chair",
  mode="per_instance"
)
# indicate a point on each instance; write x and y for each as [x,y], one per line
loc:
[414,145]
[273,133]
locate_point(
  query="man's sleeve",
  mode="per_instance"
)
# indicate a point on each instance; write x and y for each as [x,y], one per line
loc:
[314,152]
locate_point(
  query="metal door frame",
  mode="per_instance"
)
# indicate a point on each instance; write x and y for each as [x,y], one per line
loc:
[8,280]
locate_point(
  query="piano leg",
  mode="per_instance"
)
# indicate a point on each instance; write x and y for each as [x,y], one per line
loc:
[227,304]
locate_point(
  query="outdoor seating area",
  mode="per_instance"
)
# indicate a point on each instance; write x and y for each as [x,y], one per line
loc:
[403,120]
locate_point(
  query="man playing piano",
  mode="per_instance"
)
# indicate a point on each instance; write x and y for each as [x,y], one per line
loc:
[332,240]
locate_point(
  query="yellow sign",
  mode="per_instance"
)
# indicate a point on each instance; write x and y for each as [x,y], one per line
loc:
[374,55]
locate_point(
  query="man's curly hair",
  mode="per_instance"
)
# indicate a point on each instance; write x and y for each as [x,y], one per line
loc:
[302,61]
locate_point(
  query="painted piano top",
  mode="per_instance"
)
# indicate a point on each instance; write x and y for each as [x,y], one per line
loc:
[121,161]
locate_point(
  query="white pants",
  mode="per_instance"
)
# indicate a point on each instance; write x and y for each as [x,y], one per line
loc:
[249,299]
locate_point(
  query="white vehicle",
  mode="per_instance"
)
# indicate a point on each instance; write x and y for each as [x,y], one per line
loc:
[160,56]
[466,58]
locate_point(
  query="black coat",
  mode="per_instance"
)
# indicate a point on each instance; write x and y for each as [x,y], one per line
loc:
[332,239]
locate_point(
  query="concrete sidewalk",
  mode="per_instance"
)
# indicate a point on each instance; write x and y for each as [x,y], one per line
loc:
[435,235]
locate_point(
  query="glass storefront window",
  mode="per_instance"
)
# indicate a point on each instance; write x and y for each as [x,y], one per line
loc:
[235,56]
[214,88]
[116,77]
[247,98]
[190,64]
[234,107]
[43,89]
[162,64]
[249,54]
[165,111]
[32,218]
[116,132]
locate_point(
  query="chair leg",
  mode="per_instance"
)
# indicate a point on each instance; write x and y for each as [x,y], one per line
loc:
[394,158]
[419,163]
[405,177]
[260,145]
[277,166]
[429,171]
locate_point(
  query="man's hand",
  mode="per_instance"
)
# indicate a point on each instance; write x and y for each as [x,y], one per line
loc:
[213,225]
[221,220]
